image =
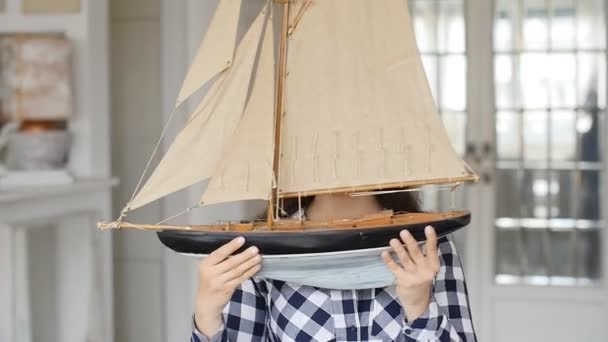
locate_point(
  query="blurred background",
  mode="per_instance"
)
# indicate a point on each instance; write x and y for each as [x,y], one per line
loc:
[87,85]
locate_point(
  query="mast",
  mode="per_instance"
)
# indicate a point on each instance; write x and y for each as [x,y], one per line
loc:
[279,106]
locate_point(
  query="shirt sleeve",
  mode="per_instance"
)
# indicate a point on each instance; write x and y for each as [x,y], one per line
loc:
[448,317]
[244,318]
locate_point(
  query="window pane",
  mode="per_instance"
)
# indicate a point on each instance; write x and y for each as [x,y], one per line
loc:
[534,76]
[451,32]
[508,183]
[453,83]
[563,24]
[508,93]
[561,263]
[535,194]
[562,194]
[589,199]
[508,135]
[506,25]
[592,80]
[591,24]
[535,136]
[536,251]
[535,25]
[562,80]
[563,136]
[509,252]
[587,250]
[588,124]
[423,16]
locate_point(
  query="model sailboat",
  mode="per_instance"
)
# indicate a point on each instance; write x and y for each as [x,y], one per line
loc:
[345,108]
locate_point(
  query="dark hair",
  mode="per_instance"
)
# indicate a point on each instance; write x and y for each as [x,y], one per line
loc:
[398,202]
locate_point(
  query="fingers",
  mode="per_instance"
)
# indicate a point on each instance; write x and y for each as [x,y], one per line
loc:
[418,268]
[402,254]
[225,251]
[431,247]
[412,246]
[236,260]
[242,268]
[392,265]
[248,274]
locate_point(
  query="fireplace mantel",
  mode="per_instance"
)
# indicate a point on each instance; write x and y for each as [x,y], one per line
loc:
[82,263]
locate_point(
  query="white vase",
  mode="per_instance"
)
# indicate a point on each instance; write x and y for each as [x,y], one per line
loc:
[38,150]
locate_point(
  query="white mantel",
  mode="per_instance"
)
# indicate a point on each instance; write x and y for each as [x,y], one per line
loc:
[83,293]
[83,259]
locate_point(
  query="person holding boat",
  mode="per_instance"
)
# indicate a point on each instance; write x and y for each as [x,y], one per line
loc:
[428,301]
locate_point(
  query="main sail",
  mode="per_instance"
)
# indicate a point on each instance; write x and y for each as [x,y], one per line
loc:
[245,172]
[197,150]
[359,112]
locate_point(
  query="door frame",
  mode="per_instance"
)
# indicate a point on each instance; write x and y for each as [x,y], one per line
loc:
[480,242]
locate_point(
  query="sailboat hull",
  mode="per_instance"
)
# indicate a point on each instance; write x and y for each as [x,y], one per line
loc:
[320,240]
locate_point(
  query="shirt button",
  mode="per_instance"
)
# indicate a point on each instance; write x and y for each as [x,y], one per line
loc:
[408,331]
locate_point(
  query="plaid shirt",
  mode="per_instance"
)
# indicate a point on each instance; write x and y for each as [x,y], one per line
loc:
[269,310]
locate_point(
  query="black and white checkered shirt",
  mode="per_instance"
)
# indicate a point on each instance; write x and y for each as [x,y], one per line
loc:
[269,310]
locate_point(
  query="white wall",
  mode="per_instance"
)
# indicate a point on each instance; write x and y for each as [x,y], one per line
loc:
[154,287]
[136,123]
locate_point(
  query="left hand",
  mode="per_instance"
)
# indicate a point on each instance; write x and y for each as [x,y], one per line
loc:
[414,277]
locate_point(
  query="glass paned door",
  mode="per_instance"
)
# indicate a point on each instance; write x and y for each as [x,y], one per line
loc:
[439,26]
[550,87]
[440,32]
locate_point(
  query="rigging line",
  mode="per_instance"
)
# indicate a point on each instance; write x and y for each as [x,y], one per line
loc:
[156,147]
[300,207]
[276,214]
[283,212]
[178,214]
[281,207]
[471,171]
[158,143]
[453,193]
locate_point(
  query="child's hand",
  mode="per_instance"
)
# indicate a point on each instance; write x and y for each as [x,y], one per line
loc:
[219,275]
[414,277]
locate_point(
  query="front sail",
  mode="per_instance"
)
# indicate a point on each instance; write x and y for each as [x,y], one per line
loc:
[197,149]
[216,51]
[245,171]
[358,108]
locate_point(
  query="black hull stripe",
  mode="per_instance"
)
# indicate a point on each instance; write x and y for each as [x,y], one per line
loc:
[321,241]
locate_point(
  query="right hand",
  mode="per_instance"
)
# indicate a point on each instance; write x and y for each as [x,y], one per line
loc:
[219,275]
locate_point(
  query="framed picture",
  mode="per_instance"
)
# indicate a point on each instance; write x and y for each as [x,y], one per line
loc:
[36,76]
[54,6]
